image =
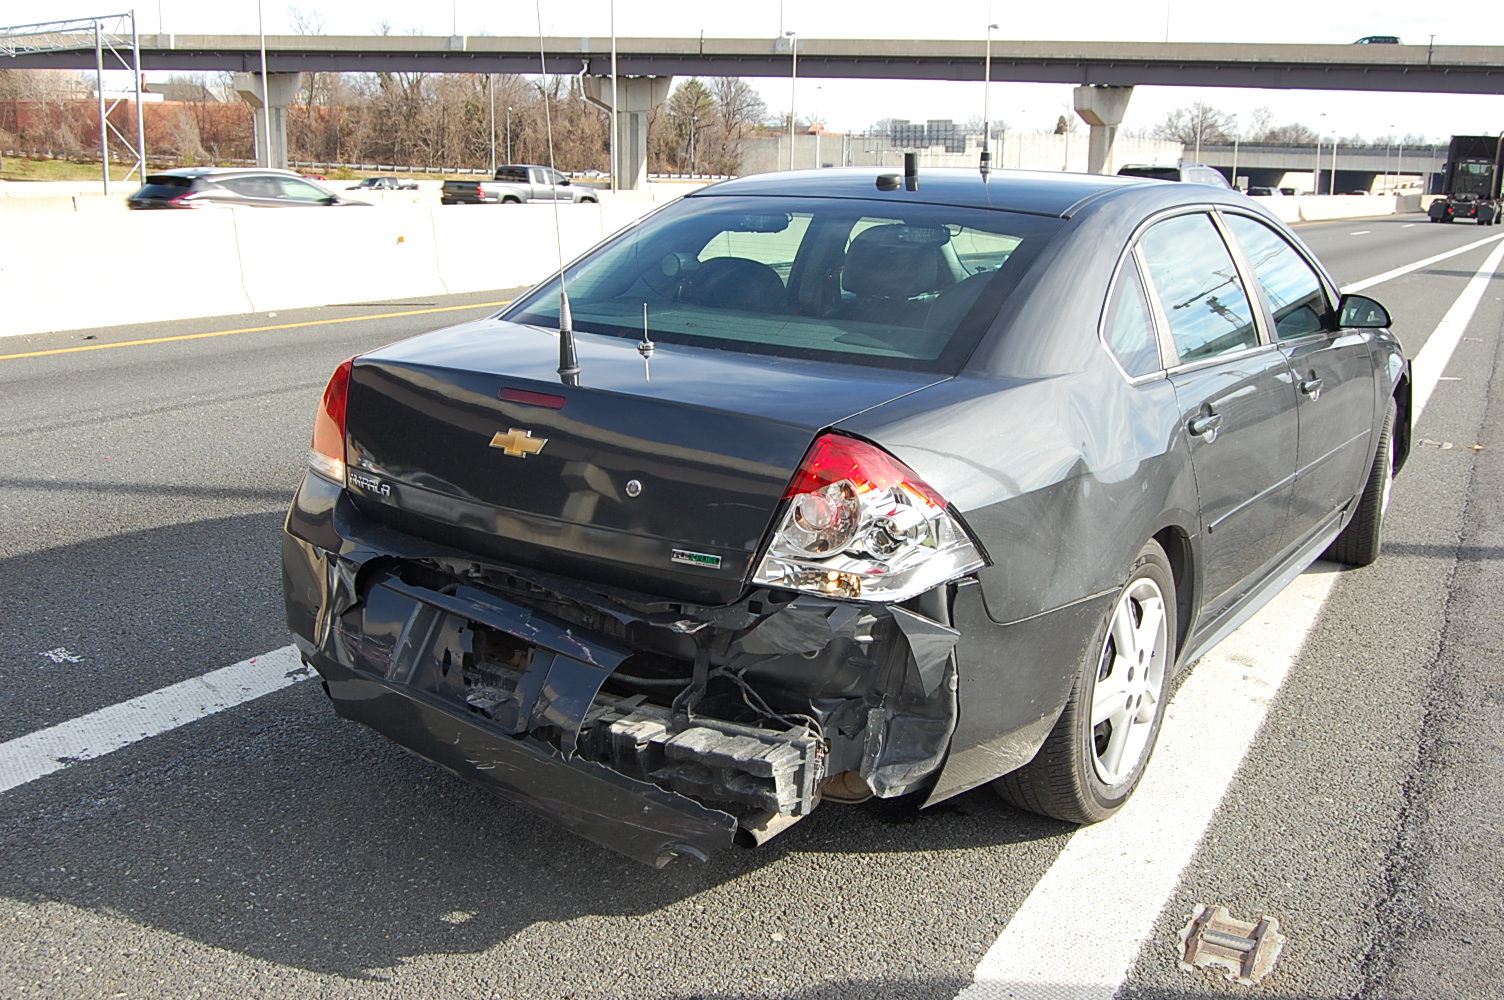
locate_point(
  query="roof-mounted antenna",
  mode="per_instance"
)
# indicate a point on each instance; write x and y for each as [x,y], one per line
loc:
[911,171]
[986,110]
[646,347]
[569,361]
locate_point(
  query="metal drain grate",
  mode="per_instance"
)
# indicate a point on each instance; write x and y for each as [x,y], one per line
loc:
[1244,951]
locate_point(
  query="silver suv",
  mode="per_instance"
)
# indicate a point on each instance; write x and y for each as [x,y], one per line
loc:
[261,187]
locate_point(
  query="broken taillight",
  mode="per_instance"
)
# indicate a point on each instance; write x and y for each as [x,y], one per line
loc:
[860,524]
[327,455]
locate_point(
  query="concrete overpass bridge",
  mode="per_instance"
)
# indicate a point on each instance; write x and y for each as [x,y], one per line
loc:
[1358,168]
[1104,73]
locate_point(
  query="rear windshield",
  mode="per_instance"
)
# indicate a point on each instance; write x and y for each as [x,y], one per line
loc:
[865,282]
[1156,173]
[161,186]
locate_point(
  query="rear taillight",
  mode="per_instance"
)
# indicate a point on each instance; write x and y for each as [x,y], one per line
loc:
[480,190]
[327,455]
[860,524]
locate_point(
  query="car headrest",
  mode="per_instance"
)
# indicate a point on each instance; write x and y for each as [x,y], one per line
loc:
[894,261]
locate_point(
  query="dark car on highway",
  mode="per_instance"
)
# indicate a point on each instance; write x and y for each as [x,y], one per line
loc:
[205,187]
[841,484]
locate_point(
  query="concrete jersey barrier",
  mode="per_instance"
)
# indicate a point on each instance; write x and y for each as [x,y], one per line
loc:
[64,267]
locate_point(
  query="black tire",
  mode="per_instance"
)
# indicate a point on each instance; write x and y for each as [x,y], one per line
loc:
[511,201]
[1360,541]
[1072,776]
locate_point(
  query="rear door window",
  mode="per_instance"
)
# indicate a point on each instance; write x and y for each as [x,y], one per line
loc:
[1198,287]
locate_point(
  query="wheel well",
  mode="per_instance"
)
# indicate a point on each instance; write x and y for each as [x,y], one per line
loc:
[1177,548]
[1402,426]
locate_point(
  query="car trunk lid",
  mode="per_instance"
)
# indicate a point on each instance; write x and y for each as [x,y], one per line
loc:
[657,476]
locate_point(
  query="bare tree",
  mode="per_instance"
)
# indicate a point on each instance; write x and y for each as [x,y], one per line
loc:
[1198,125]
[739,109]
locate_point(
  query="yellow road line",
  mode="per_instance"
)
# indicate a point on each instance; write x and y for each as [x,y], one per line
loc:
[250,329]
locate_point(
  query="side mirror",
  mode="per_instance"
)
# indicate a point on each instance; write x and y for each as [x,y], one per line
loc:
[564,181]
[1361,312]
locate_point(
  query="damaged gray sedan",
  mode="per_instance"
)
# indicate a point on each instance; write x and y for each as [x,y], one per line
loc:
[828,485]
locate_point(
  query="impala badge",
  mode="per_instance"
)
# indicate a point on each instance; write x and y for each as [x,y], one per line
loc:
[518,443]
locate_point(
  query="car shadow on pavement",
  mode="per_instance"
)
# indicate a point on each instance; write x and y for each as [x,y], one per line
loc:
[280,832]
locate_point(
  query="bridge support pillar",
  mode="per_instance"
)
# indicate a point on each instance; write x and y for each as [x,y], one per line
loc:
[1102,108]
[281,89]
[636,97]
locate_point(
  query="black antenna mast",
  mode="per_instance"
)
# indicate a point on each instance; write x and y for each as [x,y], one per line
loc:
[569,360]
[986,164]
[646,347]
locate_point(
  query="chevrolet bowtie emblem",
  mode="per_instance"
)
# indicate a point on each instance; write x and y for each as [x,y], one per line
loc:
[518,443]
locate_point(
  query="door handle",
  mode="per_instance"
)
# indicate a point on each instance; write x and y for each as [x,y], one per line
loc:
[1206,426]
[1311,387]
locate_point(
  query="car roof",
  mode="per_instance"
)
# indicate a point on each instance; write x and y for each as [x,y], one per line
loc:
[222,171]
[1034,192]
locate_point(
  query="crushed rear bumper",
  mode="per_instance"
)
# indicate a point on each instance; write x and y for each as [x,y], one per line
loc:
[633,817]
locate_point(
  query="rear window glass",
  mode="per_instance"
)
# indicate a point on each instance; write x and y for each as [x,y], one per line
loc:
[1156,173]
[863,282]
[164,186]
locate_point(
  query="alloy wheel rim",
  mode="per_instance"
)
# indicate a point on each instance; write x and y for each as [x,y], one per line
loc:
[1130,682]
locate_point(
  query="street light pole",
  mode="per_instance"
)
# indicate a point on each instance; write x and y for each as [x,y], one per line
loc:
[491,87]
[793,87]
[815,123]
[986,104]
[509,133]
[1331,188]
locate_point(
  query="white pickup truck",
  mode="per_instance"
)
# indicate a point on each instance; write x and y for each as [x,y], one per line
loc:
[515,184]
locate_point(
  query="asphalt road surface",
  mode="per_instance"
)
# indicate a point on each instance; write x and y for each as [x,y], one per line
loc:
[1335,765]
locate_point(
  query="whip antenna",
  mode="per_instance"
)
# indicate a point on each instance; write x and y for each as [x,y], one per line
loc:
[569,361]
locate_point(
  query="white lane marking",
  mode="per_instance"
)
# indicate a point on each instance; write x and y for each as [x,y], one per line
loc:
[1407,225]
[37,754]
[1361,232]
[1127,868]
[1448,333]
[1358,286]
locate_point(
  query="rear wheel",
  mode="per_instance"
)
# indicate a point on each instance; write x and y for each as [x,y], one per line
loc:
[1094,757]
[1359,542]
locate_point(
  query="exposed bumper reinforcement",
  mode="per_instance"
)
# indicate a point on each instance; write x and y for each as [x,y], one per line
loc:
[632,817]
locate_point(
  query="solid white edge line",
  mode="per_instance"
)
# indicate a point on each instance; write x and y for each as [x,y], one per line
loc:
[38,754]
[1082,926]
